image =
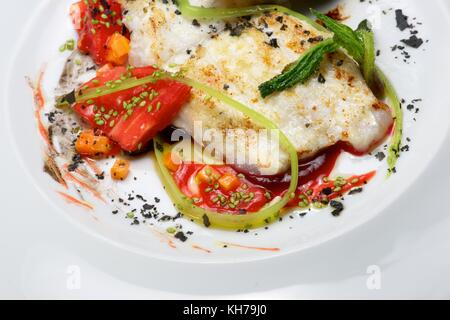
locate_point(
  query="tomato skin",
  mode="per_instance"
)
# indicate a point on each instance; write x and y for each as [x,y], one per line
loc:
[143,125]
[132,128]
[95,23]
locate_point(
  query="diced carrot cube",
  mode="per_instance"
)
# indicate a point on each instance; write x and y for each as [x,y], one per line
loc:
[120,170]
[118,49]
[207,175]
[229,182]
[88,144]
[171,161]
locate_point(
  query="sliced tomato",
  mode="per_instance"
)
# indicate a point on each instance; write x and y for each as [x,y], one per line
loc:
[133,117]
[96,21]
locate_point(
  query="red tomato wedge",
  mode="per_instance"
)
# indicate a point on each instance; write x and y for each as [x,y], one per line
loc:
[133,117]
[95,22]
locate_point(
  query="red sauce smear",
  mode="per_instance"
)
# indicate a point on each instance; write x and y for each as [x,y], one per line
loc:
[210,196]
[255,191]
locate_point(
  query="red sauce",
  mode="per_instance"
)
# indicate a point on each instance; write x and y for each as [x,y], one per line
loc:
[211,196]
[95,22]
[313,187]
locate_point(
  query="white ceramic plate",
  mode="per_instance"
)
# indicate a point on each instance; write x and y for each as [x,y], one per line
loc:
[373,230]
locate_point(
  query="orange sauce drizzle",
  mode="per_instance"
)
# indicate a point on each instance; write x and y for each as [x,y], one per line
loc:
[73,200]
[164,238]
[197,247]
[249,247]
[93,165]
[71,177]
[40,102]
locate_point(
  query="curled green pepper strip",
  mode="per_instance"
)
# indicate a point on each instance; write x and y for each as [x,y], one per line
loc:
[189,11]
[221,220]
[366,36]
[396,143]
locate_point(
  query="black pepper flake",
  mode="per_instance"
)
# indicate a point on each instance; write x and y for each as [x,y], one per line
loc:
[402,20]
[235,31]
[165,218]
[413,42]
[274,43]
[181,236]
[380,156]
[148,207]
[405,148]
[321,78]
[51,116]
[206,221]
[195,23]
[338,208]
[327,191]
[100,176]
[315,39]
[355,191]
[76,162]
[138,196]
[68,98]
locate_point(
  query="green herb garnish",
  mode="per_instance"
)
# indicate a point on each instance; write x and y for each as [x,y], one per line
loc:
[344,36]
[301,71]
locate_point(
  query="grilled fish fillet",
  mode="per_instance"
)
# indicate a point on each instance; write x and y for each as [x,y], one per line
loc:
[236,57]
